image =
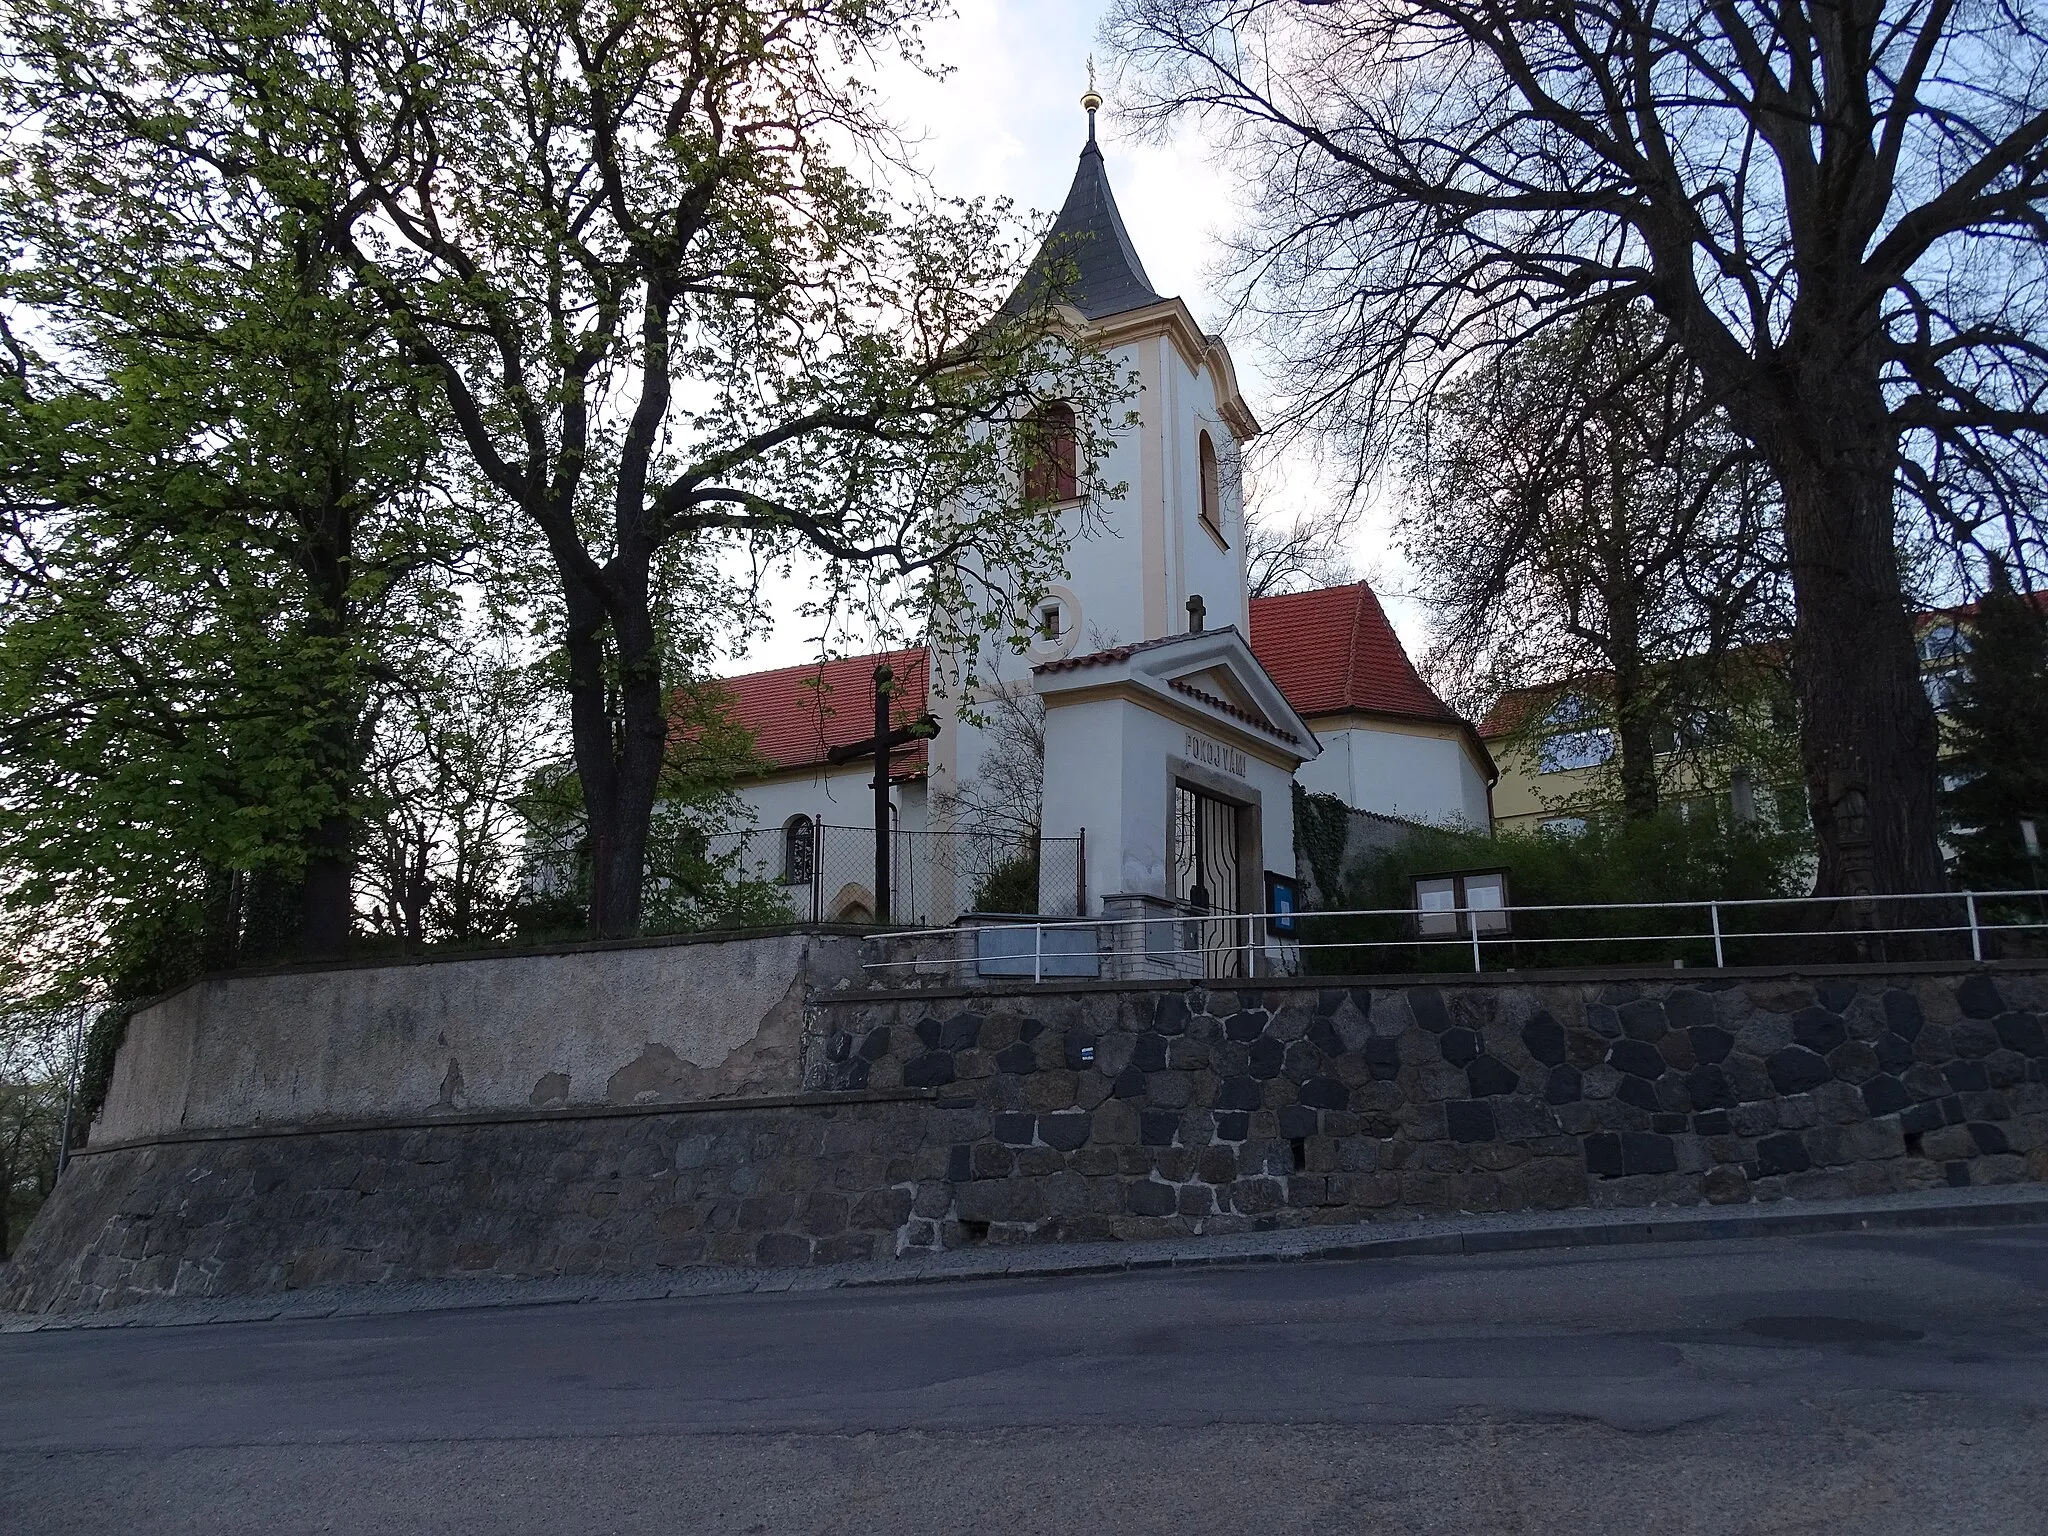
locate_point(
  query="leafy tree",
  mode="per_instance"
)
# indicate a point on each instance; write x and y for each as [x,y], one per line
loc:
[220,534]
[1999,715]
[1838,210]
[1582,510]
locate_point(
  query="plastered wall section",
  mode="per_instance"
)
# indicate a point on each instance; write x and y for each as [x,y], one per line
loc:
[664,1023]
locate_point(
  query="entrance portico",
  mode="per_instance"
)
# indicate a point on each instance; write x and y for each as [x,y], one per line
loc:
[1178,756]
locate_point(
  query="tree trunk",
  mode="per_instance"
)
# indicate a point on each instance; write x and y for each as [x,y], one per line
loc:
[620,750]
[1867,734]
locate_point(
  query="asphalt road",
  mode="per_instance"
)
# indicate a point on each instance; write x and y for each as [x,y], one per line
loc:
[1868,1383]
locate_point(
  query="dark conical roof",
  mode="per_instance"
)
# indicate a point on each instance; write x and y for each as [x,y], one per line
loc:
[1089,240]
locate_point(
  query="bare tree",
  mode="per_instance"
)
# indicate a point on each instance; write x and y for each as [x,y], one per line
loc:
[1837,205]
[1006,793]
[1582,510]
[1296,554]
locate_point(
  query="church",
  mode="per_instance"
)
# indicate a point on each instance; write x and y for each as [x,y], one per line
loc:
[1161,716]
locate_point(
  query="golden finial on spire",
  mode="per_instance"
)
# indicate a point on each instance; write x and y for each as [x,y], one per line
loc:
[1091,99]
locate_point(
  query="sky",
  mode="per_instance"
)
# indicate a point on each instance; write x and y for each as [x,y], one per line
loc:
[1007,122]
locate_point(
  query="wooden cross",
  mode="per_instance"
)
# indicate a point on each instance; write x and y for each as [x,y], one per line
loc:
[881,745]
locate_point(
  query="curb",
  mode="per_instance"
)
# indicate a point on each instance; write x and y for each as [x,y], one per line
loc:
[1520,1232]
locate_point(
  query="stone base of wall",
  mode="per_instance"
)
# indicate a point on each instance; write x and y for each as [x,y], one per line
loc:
[1040,1115]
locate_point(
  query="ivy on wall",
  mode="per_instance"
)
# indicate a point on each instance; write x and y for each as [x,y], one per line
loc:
[1322,827]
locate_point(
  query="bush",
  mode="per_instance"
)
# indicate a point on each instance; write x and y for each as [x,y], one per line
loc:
[1011,886]
[1663,858]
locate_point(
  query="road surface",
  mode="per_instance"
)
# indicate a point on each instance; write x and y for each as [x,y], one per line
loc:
[1879,1383]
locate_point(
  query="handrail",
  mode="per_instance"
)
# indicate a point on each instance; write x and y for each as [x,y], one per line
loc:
[1468,932]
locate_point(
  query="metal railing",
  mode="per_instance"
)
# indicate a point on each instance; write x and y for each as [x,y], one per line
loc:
[1986,923]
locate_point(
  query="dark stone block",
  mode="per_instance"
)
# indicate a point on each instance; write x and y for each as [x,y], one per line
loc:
[1148,1197]
[1835,995]
[876,1045]
[1978,997]
[1564,1086]
[1894,1051]
[1989,1138]
[1240,1093]
[1902,1012]
[1689,1010]
[1017,1059]
[1952,1111]
[1708,1088]
[1014,1129]
[1543,1038]
[960,1164]
[1232,1125]
[1170,1014]
[781,1250]
[1958,1174]
[1382,1052]
[1129,1084]
[1784,1153]
[1603,1155]
[1917,1119]
[1646,1152]
[1819,1030]
[1886,1096]
[1637,1058]
[1066,1132]
[1633,1090]
[1267,1057]
[1795,1069]
[1460,1046]
[927,1031]
[1148,1053]
[1080,1050]
[1427,1004]
[1030,1029]
[1603,1021]
[1967,1076]
[1668,1125]
[1710,1043]
[1158,1127]
[1711,1122]
[1325,1093]
[1298,1121]
[933,1070]
[1469,1120]
[962,1032]
[1973,1037]
[854,1074]
[1489,1077]
[2021,1032]
[1644,1020]
[1245,1026]
[1329,1000]
[1322,1034]
[839,1047]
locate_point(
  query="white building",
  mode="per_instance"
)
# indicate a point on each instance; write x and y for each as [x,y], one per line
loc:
[1177,710]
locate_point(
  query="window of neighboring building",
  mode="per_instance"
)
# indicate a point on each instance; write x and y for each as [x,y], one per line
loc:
[1573,742]
[796,851]
[1050,473]
[1212,487]
[1563,826]
[1943,644]
[1941,689]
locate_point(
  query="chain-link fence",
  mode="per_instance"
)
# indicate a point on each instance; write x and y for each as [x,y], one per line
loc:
[936,877]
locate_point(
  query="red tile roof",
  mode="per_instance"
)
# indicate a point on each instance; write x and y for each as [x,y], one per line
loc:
[798,714]
[1332,651]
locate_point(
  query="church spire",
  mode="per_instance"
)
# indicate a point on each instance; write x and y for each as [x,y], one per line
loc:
[1089,239]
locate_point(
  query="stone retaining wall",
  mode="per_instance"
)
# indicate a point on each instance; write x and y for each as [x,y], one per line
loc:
[1141,1114]
[658,1021]
[937,1120]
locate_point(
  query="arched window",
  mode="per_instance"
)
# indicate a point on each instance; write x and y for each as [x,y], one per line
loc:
[1212,487]
[1049,471]
[796,851]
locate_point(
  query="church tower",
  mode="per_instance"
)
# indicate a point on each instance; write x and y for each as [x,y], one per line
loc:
[1178,533]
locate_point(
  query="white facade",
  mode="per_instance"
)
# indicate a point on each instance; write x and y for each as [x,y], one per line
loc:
[1414,772]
